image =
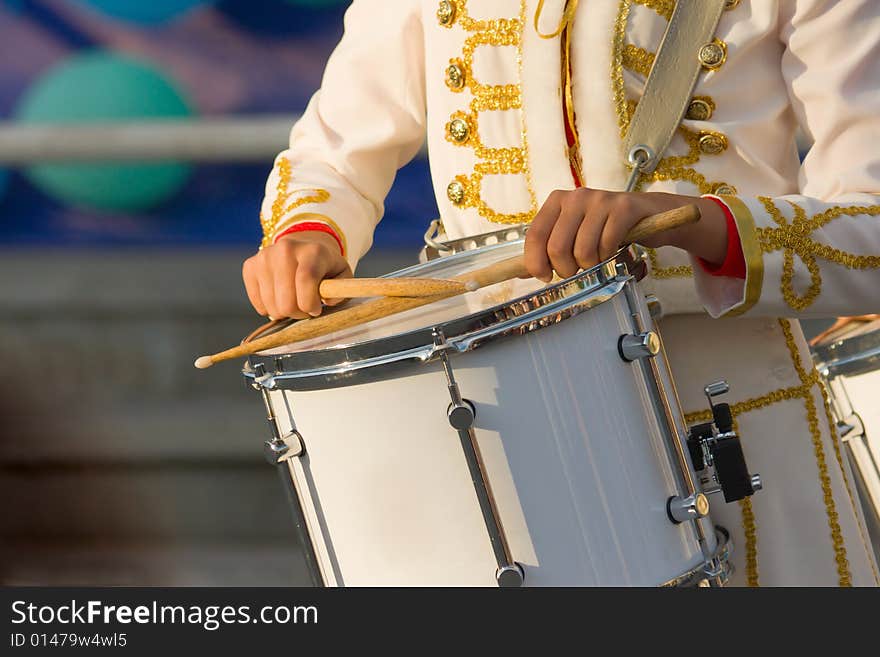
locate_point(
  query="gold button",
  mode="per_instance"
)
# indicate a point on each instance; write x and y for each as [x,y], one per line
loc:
[699,110]
[455,192]
[731,4]
[446,13]
[712,143]
[712,55]
[458,130]
[455,77]
[724,190]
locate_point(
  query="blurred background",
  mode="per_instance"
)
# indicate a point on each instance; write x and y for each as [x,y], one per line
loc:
[119,463]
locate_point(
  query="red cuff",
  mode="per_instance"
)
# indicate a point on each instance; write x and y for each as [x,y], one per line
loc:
[734,265]
[312,225]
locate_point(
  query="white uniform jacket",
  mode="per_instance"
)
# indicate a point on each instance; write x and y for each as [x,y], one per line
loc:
[481,80]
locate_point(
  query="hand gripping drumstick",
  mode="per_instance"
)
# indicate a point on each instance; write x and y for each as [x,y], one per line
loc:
[496,273]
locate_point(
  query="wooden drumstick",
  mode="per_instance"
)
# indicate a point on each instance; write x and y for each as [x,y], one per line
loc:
[368,311]
[350,288]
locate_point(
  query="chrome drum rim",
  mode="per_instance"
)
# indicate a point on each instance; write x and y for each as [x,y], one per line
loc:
[377,359]
[850,356]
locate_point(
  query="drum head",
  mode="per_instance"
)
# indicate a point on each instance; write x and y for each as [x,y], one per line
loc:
[432,314]
[331,359]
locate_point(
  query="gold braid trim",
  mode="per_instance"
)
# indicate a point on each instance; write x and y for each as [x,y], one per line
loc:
[617,47]
[679,271]
[280,206]
[662,7]
[638,59]
[750,528]
[793,239]
[491,161]
[845,578]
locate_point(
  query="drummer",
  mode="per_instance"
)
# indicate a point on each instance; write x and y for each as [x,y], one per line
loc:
[525,105]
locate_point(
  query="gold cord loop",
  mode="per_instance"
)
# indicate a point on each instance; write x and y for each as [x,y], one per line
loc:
[567,18]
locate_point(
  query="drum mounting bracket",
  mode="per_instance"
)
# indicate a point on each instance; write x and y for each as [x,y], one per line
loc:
[717,445]
[278,448]
[461,414]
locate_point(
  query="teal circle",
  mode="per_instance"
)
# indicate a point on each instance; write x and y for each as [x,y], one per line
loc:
[104,87]
[144,12]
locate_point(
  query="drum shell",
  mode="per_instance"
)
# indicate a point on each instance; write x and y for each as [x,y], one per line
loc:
[576,458]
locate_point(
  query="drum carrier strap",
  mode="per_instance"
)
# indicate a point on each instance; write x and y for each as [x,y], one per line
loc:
[670,83]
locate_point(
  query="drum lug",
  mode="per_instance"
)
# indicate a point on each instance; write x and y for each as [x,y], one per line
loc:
[461,414]
[510,577]
[692,507]
[641,345]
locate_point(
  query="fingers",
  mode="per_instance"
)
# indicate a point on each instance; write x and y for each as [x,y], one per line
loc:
[578,229]
[252,284]
[621,218]
[310,272]
[282,267]
[560,246]
[537,259]
[267,290]
[586,243]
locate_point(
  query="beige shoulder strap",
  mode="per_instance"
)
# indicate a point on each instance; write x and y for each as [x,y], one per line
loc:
[670,83]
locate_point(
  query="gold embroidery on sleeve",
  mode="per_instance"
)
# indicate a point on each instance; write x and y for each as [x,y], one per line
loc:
[280,206]
[793,239]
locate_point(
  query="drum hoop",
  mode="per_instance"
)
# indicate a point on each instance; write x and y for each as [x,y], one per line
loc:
[377,359]
[714,572]
[849,357]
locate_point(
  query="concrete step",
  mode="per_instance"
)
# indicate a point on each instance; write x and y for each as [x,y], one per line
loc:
[196,501]
[26,563]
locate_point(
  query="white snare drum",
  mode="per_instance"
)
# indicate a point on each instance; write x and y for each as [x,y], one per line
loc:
[491,437]
[849,364]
